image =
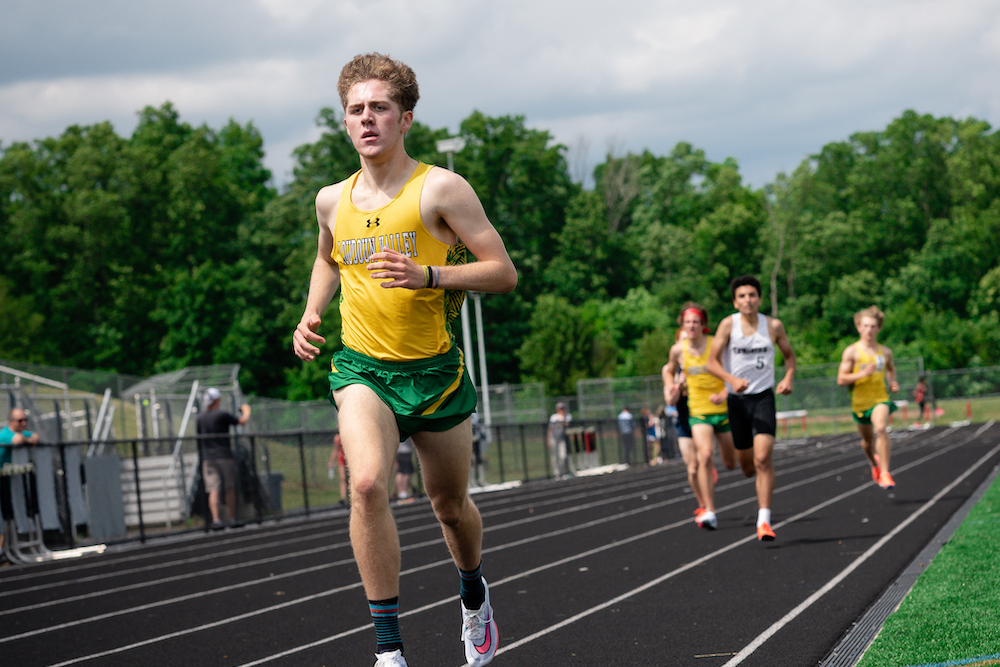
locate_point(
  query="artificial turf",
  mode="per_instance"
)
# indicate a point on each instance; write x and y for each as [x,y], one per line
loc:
[952,615]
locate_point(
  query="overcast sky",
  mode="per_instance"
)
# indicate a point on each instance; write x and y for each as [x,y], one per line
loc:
[767,82]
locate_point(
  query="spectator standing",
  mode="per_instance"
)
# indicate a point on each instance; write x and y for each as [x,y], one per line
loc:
[920,397]
[480,444]
[218,464]
[404,471]
[14,434]
[562,464]
[649,423]
[626,433]
[667,416]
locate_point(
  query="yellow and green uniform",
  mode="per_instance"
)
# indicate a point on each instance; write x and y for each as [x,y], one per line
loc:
[701,385]
[393,324]
[868,392]
[398,341]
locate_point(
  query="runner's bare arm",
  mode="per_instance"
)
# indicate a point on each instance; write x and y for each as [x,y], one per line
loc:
[714,365]
[890,370]
[719,398]
[451,210]
[671,389]
[325,278]
[845,372]
[458,206]
[780,338]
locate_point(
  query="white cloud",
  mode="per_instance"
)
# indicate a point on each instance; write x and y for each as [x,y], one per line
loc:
[766,82]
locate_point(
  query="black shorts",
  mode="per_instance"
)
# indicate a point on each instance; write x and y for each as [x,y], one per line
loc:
[404,462]
[683,427]
[751,415]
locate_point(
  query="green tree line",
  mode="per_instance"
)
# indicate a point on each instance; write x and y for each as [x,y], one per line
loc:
[172,247]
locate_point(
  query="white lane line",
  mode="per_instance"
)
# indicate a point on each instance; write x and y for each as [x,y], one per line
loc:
[523,501]
[127,554]
[606,547]
[117,558]
[614,498]
[257,547]
[749,538]
[287,556]
[439,563]
[808,602]
[442,562]
[189,575]
[346,561]
[436,540]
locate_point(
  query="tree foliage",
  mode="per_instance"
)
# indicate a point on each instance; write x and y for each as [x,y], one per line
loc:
[139,253]
[171,247]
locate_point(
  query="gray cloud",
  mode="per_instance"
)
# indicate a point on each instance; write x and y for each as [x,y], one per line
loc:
[766,82]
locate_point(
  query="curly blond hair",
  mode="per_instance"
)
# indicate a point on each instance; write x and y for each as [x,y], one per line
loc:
[872,312]
[400,78]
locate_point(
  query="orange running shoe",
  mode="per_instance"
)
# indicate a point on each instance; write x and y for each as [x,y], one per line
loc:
[886,481]
[876,468]
[715,475]
[698,512]
[764,532]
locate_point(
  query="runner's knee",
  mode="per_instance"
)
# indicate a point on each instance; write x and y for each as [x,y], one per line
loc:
[449,508]
[728,458]
[368,490]
[762,463]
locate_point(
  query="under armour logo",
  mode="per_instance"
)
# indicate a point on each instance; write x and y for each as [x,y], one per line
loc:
[371,221]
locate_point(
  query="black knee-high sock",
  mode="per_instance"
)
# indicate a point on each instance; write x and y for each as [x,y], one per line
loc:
[473,593]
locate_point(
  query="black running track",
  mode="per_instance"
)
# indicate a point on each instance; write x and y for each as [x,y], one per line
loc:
[601,570]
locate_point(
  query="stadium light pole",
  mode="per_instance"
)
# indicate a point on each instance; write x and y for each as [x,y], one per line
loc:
[487,416]
[449,147]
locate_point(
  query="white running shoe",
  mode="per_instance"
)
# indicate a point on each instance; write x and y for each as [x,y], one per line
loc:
[479,632]
[391,659]
[707,520]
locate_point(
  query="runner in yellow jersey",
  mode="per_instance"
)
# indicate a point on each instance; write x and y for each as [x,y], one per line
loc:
[389,239]
[708,415]
[865,367]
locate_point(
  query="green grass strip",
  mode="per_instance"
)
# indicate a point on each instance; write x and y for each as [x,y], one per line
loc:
[951,615]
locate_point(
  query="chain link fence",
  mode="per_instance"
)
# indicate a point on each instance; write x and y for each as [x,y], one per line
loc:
[285,452]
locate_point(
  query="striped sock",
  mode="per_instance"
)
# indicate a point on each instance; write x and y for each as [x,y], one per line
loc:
[385,615]
[473,593]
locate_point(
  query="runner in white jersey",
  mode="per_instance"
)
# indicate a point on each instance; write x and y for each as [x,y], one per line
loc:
[742,355]
[751,357]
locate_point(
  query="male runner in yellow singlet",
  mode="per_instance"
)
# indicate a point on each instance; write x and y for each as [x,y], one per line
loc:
[393,237]
[864,367]
[706,404]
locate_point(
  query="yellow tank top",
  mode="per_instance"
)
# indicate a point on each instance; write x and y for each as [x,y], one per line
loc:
[870,391]
[701,384]
[395,324]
